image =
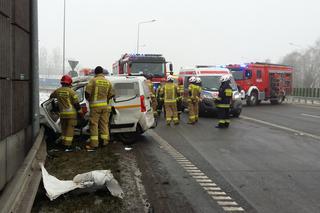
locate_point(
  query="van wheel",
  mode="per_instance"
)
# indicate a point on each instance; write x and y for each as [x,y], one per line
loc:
[128,138]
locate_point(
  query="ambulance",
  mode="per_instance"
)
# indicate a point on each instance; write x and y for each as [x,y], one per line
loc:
[210,77]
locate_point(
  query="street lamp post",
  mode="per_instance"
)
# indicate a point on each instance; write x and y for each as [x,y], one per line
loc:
[64,38]
[138,39]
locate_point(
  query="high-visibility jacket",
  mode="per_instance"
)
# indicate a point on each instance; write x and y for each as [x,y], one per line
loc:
[99,91]
[194,92]
[67,99]
[170,92]
[181,90]
[225,95]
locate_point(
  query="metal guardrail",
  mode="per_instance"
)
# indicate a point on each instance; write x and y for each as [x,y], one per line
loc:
[20,192]
[306,92]
[304,100]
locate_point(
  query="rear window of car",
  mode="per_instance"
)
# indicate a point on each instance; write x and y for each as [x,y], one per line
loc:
[126,90]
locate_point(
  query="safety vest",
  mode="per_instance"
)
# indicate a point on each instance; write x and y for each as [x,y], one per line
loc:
[170,93]
[99,89]
[66,97]
[194,92]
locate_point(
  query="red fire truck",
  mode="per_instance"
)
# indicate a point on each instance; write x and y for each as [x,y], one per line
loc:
[142,64]
[263,81]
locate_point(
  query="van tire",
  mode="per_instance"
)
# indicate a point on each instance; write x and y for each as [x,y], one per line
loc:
[128,138]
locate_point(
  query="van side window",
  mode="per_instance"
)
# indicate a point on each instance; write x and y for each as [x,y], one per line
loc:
[80,93]
[259,75]
[125,91]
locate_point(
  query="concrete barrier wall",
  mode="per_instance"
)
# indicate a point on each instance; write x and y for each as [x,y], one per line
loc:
[15,86]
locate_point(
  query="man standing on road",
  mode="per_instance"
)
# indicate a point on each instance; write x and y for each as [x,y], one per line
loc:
[160,97]
[170,94]
[99,93]
[223,102]
[193,100]
[68,107]
[181,94]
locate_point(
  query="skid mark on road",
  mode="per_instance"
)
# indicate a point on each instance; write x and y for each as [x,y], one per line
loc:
[281,127]
[216,193]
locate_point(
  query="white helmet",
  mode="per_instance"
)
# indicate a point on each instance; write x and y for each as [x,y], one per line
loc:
[198,80]
[170,78]
[192,79]
[225,78]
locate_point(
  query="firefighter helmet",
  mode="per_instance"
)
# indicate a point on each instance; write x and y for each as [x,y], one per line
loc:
[192,79]
[198,80]
[66,79]
[170,78]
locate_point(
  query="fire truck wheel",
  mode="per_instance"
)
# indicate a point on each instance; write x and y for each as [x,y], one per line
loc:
[252,100]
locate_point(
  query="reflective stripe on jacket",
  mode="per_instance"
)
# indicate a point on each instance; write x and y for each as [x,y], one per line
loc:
[170,91]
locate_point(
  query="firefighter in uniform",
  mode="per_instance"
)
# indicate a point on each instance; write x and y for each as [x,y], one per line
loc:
[181,94]
[199,89]
[170,93]
[159,95]
[68,107]
[193,100]
[223,102]
[99,93]
[152,95]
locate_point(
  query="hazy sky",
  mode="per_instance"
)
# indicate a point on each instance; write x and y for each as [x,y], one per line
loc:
[187,32]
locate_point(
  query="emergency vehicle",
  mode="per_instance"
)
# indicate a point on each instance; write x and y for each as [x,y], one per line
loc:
[143,64]
[210,78]
[263,81]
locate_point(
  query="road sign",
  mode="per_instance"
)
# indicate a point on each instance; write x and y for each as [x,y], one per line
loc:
[73,64]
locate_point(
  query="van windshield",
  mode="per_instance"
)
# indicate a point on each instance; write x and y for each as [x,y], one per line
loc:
[212,83]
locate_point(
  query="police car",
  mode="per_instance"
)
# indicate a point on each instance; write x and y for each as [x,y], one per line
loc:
[131,115]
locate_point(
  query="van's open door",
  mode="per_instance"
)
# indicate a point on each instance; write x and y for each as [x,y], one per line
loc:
[51,117]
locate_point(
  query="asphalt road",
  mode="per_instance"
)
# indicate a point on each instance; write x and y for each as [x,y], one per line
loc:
[265,162]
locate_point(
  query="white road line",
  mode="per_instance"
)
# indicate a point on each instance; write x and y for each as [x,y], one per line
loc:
[208,184]
[308,115]
[233,209]
[211,188]
[216,193]
[227,203]
[280,127]
[200,176]
[221,197]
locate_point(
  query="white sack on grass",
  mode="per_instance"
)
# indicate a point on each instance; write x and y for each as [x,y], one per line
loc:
[56,187]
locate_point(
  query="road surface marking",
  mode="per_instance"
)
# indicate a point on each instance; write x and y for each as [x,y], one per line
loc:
[281,127]
[212,188]
[204,181]
[200,177]
[221,197]
[233,209]
[227,203]
[207,184]
[308,115]
[216,193]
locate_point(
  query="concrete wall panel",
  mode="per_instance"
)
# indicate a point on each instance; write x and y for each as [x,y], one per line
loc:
[5,7]
[15,153]
[20,105]
[6,108]
[5,48]
[21,55]
[22,13]
[3,168]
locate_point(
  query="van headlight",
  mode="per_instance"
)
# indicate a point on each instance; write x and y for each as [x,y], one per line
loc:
[236,96]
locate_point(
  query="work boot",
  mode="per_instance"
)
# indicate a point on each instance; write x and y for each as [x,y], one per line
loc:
[226,125]
[219,126]
[168,123]
[68,148]
[90,148]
